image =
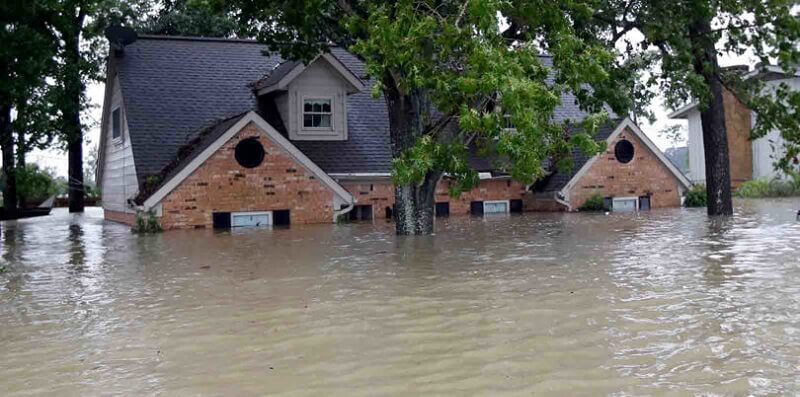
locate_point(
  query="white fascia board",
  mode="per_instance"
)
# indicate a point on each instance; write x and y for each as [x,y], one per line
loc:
[683,112]
[273,135]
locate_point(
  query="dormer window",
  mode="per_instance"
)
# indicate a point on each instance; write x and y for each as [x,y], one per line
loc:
[318,113]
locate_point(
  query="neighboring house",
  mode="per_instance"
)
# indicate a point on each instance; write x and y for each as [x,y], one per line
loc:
[680,157]
[749,159]
[212,133]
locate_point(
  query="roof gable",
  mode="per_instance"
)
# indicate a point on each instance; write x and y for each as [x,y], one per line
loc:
[221,134]
[285,73]
[627,123]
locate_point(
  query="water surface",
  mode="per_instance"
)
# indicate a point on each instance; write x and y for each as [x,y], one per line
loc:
[666,302]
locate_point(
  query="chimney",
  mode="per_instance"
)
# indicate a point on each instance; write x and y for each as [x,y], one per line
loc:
[118,37]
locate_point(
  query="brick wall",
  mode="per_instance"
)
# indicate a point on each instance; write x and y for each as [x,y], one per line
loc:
[222,185]
[642,176]
[380,194]
[740,149]
[121,217]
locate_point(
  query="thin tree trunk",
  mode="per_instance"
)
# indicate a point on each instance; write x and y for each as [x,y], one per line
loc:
[9,172]
[414,204]
[71,114]
[715,134]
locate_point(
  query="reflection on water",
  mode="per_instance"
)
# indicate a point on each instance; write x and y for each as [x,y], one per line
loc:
[665,302]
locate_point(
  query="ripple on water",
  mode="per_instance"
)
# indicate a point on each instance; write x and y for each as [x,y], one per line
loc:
[662,302]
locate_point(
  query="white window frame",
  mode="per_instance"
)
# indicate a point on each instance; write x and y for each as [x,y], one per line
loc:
[253,213]
[506,202]
[118,139]
[628,198]
[303,113]
[506,121]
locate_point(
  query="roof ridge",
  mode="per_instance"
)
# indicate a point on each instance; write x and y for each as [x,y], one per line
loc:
[198,38]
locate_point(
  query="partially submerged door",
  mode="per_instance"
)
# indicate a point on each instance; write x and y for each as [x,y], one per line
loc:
[251,219]
[625,204]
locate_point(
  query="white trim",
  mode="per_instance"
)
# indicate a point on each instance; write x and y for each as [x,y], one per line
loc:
[506,202]
[272,134]
[683,111]
[356,83]
[627,123]
[253,213]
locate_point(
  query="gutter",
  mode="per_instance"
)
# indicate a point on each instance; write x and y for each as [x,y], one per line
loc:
[343,211]
[558,197]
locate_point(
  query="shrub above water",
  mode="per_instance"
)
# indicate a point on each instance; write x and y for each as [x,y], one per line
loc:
[770,188]
[696,196]
[593,203]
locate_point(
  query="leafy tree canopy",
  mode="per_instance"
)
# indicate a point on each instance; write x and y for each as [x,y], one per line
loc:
[475,63]
[674,35]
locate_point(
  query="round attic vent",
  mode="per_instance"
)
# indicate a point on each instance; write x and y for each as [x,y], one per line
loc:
[624,151]
[249,153]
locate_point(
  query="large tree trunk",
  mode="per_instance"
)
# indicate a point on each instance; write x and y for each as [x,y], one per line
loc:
[414,204]
[71,113]
[715,134]
[9,172]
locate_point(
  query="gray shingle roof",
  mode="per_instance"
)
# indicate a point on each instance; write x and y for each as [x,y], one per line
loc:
[557,180]
[174,88]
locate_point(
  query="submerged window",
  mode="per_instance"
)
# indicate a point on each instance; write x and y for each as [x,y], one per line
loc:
[496,207]
[249,153]
[317,113]
[442,209]
[361,213]
[116,124]
[624,151]
[644,203]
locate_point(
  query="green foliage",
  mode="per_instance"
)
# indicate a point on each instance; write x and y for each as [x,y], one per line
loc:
[593,203]
[146,223]
[696,197]
[760,188]
[190,18]
[34,184]
[678,36]
[451,63]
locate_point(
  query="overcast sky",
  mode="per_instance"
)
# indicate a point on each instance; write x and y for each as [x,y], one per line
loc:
[58,159]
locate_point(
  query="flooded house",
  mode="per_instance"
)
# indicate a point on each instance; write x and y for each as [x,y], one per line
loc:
[749,159]
[206,132]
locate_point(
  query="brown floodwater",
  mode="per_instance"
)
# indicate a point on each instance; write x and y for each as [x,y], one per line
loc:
[665,302]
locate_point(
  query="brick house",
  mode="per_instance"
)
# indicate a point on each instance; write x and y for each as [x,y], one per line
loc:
[213,133]
[749,159]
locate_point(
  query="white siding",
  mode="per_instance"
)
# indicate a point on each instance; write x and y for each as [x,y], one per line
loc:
[119,175]
[318,80]
[697,158]
[769,148]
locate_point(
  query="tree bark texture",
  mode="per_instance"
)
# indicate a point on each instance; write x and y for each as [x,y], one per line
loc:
[715,134]
[10,206]
[71,113]
[414,203]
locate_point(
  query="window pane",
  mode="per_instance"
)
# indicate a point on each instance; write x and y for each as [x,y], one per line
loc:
[307,106]
[495,208]
[307,120]
[325,120]
[116,127]
[326,107]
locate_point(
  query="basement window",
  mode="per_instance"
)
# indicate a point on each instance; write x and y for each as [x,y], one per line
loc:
[361,213]
[623,150]
[249,153]
[116,124]
[251,219]
[442,209]
[625,204]
[317,113]
[496,207]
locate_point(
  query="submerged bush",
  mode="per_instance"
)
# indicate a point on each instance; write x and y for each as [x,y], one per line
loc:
[593,203]
[696,196]
[147,223]
[770,188]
